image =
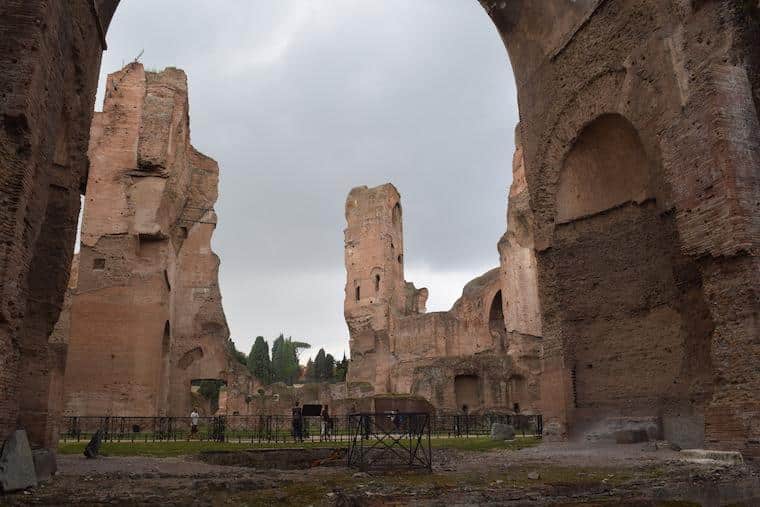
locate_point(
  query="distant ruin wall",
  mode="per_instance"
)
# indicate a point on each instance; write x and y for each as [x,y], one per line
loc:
[397,348]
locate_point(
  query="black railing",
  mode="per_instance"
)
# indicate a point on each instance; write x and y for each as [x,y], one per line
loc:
[255,429]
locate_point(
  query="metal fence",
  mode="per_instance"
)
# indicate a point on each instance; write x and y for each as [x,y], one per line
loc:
[402,441]
[262,429]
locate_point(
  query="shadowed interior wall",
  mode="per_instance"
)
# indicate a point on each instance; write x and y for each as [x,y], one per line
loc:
[49,59]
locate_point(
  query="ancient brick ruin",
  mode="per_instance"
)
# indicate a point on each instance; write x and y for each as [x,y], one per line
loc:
[452,359]
[629,274]
[145,317]
[640,138]
[639,124]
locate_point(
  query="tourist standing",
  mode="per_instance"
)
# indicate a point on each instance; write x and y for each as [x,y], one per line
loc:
[325,422]
[297,422]
[194,415]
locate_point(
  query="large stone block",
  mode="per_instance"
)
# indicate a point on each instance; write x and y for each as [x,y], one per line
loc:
[501,431]
[17,464]
[45,464]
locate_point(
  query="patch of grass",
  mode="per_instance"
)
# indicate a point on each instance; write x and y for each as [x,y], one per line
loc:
[481,444]
[184,448]
[180,448]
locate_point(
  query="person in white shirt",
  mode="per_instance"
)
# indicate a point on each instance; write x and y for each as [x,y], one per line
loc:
[194,422]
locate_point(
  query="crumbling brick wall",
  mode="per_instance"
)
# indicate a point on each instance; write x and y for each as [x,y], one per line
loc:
[49,57]
[398,348]
[673,269]
[146,317]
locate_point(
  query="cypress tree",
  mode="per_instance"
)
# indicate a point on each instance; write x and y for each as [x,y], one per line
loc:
[259,363]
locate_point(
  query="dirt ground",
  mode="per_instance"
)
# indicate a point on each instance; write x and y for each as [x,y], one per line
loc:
[549,474]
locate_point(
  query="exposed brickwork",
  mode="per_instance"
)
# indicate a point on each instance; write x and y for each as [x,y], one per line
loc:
[146,316]
[454,358]
[49,56]
[681,285]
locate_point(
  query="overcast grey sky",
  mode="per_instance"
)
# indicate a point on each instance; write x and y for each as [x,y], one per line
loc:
[301,100]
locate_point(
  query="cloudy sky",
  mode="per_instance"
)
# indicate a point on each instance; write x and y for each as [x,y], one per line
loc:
[301,100]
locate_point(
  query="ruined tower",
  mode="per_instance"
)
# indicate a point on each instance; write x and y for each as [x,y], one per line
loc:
[146,317]
[449,359]
[375,286]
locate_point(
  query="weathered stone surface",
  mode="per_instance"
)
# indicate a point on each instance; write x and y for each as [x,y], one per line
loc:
[631,436]
[45,465]
[16,463]
[646,255]
[145,315]
[49,59]
[501,431]
[706,455]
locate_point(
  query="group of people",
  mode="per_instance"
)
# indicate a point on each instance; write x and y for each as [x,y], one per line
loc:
[325,423]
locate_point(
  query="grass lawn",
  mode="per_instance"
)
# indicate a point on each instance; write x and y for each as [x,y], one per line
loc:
[182,448]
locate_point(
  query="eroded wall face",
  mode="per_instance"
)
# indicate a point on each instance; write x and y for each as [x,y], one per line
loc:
[45,110]
[656,272]
[146,316]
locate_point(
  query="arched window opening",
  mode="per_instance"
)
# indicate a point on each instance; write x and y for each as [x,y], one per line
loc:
[377,284]
[496,323]
[396,214]
[358,293]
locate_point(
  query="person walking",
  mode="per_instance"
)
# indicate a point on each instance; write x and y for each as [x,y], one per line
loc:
[297,422]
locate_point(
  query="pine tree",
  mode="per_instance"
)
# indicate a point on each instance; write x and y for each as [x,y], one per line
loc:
[285,352]
[259,363]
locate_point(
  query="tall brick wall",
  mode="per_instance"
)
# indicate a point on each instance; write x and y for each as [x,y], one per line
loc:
[146,316]
[49,57]
[684,74]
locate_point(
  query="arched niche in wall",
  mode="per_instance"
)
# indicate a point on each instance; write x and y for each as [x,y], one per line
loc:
[606,167]
[628,299]
[467,391]
[396,214]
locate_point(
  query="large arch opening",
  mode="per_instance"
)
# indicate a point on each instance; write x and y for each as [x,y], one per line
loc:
[629,300]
